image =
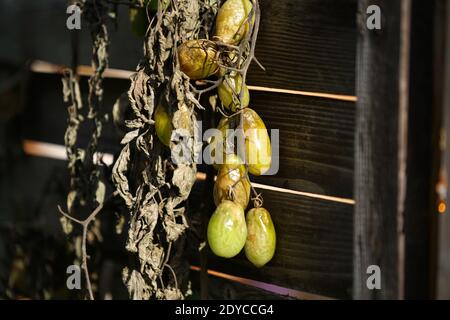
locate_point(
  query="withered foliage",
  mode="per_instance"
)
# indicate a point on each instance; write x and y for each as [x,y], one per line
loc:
[152,185]
[160,187]
[87,186]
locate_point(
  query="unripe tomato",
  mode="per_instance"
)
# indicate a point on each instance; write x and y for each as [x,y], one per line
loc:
[229,92]
[261,237]
[257,144]
[258,151]
[167,120]
[227,230]
[163,124]
[230,26]
[232,175]
[198,58]
[219,145]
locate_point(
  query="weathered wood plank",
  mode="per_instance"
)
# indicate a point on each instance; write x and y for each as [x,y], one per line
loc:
[43,35]
[391,222]
[307,45]
[314,247]
[316,134]
[316,142]
[379,188]
[222,289]
[304,44]
[395,175]
[45,117]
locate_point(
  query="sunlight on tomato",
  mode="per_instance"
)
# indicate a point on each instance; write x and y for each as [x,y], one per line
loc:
[227,230]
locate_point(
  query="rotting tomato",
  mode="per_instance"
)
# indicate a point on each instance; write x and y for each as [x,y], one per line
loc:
[261,237]
[229,92]
[227,230]
[257,143]
[232,175]
[198,58]
[166,121]
[258,151]
[220,145]
[232,21]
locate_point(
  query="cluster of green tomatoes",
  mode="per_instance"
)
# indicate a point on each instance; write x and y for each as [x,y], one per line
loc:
[229,230]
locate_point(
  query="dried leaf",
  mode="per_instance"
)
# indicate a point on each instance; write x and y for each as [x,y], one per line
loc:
[162,182]
[130,136]
[184,178]
[100,193]
[119,175]
[66,224]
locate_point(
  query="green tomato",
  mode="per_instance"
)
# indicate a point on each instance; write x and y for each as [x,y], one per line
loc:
[166,120]
[198,58]
[261,237]
[258,150]
[232,175]
[227,230]
[230,26]
[217,145]
[229,92]
[163,124]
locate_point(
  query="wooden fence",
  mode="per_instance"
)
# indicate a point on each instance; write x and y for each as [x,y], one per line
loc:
[314,52]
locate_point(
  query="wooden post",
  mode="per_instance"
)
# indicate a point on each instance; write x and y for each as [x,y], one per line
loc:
[396,159]
[382,83]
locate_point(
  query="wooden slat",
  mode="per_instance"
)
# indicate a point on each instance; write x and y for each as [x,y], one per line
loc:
[332,96]
[45,118]
[314,246]
[316,134]
[42,34]
[223,289]
[267,287]
[59,152]
[316,142]
[39,66]
[307,45]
